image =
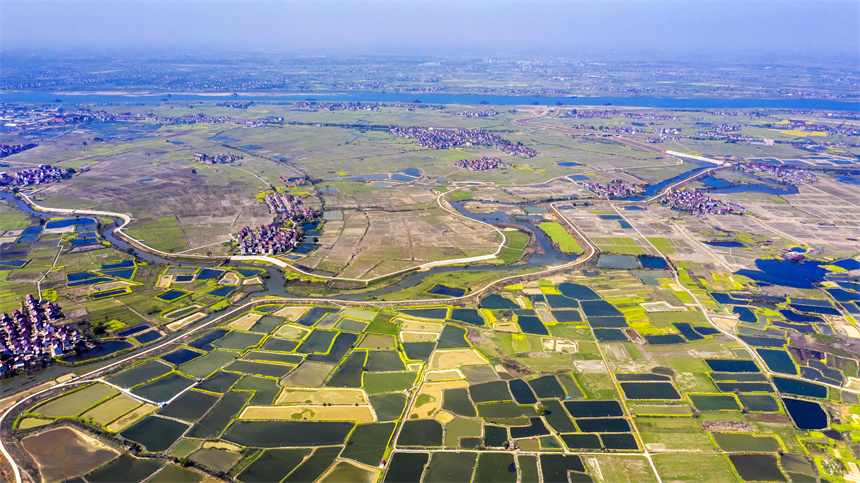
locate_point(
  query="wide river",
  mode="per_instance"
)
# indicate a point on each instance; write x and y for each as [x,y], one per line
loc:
[438,98]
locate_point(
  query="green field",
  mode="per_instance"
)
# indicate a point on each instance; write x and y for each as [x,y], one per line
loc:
[558,234]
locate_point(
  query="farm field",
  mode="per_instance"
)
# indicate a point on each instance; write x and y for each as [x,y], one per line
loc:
[516,397]
[435,323]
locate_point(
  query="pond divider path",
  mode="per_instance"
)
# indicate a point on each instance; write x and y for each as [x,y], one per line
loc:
[753,353]
[128,393]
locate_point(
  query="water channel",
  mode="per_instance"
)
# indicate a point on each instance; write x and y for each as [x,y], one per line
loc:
[274,282]
[439,98]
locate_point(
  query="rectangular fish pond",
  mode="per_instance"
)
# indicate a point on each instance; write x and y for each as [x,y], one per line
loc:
[446,290]
[110,293]
[69,222]
[115,265]
[172,295]
[221,291]
[123,273]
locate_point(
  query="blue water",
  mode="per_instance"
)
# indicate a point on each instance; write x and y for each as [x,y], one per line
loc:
[33,230]
[847,264]
[223,139]
[74,277]
[654,263]
[843,295]
[469,99]
[806,414]
[745,314]
[440,289]
[725,244]
[414,172]
[177,143]
[815,309]
[133,330]
[655,188]
[847,180]
[221,291]
[799,388]
[209,274]
[124,273]
[89,281]
[147,337]
[13,263]
[103,349]
[758,188]
[28,238]
[569,164]
[850,285]
[145,180]
[624,224]
[69,222]
[251,147]
[85,242]
[792,316]
[716,182]
[122,264]
[786,273]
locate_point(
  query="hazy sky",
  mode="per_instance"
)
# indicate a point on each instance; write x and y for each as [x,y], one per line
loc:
[783,28]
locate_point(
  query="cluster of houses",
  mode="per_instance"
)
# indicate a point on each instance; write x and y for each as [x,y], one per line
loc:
[267,239]
[608,113]
[694,202]
[481,164]
[614,190]
[445,138]
[486,113]
[728,132]
[42,174]
[841,129]
[288,207]
[336,106]
[10,149]
[236,104]
[217,158]
[792,176]
[293,181]
[28,339]
[84,115]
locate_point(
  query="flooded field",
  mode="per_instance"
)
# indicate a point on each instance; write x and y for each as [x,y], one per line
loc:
[64,452]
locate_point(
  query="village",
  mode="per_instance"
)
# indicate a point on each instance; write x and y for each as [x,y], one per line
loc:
[10,149]
[616,189]
[275,237]
[481,164]
[790,176]
[28,339]
[42,174]
[442,138]
[217,158]
[698,204]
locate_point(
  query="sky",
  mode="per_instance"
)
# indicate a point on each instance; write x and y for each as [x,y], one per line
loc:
[785,28]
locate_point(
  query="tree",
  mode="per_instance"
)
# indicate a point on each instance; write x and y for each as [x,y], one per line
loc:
[130,250]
